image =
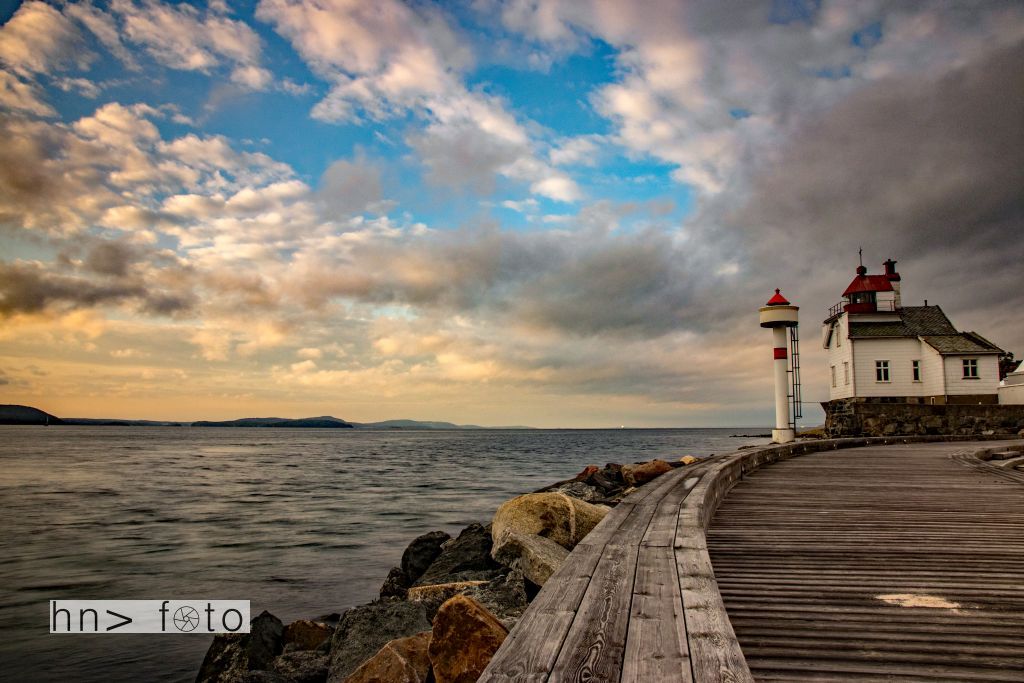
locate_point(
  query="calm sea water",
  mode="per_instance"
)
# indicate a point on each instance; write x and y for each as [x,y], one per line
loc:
[299,522]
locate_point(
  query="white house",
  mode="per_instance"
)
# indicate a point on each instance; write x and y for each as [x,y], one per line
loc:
[882,351]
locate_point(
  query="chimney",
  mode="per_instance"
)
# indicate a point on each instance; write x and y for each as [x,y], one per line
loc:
[894,280]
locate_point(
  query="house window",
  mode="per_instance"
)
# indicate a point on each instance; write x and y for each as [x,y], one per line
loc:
[833,375]
[846,372]
[881,371]
[917,370]
[970,368]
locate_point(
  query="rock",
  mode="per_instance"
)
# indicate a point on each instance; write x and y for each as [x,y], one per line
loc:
[396,585]
[306,634]
[587,472]
[643,472]
[465,638]
[302,666]
[223,659]
[403,660]
[577,489]
[505,597]
[465,558]
[436,594]
[688,460]
[364,630]
[231,655]
[536,556]
[421,553]
[563,519]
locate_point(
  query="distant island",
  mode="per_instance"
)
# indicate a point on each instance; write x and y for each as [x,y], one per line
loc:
[27,415]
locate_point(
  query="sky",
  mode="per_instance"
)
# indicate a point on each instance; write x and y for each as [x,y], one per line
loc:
[557,213]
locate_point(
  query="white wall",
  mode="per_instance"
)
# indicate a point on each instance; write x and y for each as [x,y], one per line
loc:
[933,373]
[988,373]
[840,349]
[1012,395]
[899,353]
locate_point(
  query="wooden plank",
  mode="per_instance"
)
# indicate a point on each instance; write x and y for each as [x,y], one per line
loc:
[532,646]
[715,652]
[594,647]
[803,549]
[656,644]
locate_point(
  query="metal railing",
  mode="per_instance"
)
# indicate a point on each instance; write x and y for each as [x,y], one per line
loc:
[883,306]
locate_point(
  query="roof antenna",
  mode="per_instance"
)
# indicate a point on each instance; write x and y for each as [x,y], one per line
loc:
[860,254]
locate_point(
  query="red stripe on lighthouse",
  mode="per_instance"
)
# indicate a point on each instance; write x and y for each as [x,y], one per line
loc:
[780,353]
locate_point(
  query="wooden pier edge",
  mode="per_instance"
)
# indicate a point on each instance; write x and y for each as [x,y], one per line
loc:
[711,645]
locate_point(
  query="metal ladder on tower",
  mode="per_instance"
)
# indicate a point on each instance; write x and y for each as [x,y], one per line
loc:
[795,398]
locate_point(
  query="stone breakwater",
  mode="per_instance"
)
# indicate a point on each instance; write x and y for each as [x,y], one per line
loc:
[448,606]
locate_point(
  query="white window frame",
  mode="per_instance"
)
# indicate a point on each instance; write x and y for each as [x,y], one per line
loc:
[970,366]
[846,373]
[882,373]
[915,369]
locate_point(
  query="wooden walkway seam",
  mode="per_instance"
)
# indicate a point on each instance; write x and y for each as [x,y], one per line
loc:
[640,600]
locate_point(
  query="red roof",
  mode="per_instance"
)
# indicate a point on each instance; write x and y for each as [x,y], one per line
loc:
[869,283]
[777,300]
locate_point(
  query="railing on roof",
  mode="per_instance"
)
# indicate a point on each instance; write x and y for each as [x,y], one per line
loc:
[864,307]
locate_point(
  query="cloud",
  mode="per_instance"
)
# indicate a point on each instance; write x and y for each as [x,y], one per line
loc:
[350,187]
[29,288]
[18,95]
[39,39]
[389,59]
[184,38]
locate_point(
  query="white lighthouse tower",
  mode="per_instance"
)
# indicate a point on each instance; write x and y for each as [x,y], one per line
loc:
[781,317]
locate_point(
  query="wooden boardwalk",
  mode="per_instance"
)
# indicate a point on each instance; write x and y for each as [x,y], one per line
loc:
[817,557]
[639,600]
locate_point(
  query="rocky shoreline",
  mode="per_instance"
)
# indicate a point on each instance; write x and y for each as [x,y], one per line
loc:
[446,609]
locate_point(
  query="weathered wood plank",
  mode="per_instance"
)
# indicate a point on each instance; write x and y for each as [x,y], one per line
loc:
[715,652]
[532,646]
[804,550]
[594,647]
[656,644]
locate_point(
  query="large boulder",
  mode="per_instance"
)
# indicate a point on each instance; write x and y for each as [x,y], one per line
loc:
[465,638]
[561,518]
[537,557]
[505,597]
[421,553]
[577,489]
[404,660]
[230,656]
[302,666]
[643,472]
[433,595]
[396,585]
[466,558]
[364,630]
[306,635]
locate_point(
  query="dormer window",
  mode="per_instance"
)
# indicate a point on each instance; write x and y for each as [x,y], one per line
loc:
[862,298]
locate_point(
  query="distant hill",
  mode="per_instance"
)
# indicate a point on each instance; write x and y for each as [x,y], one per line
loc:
[411,424]
[322,422]
[116,422]
[26,415]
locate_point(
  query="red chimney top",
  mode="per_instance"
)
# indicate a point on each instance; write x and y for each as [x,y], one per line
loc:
[777,300]
[890,270]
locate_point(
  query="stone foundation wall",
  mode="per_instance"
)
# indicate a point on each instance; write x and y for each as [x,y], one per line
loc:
[846,417]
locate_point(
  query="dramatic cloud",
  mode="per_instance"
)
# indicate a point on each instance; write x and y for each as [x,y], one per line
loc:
[183,37]
[39,39]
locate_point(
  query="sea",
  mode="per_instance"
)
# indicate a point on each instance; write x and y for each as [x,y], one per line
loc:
[300,522]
